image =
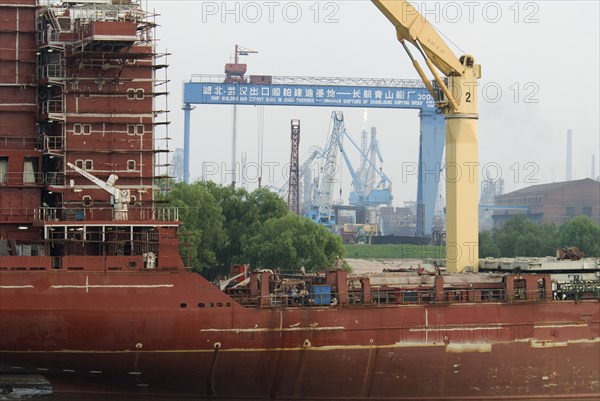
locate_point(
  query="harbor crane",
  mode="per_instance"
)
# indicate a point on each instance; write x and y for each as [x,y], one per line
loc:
[322,211]
[121,196]
[369,197]
[458,103]
[371,186]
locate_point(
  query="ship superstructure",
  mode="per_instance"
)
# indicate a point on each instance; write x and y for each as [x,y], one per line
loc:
[78,89]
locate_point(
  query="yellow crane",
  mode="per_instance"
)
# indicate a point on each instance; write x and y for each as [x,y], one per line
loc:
[459,106]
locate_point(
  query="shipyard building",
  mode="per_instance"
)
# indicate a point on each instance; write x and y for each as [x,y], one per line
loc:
[554,203]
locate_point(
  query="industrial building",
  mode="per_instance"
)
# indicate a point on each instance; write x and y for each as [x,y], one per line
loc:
[398,221]
[554,203]
[78,83]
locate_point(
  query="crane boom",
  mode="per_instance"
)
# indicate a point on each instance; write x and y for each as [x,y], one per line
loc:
[121,196]
[107,186]
[460,110]
[413,27]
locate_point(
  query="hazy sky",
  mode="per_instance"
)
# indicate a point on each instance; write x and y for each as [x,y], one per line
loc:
[540,63]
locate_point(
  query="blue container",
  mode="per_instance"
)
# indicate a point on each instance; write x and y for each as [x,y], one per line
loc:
[320,294]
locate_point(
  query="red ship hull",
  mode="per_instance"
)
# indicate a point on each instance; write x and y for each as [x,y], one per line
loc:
[174,333]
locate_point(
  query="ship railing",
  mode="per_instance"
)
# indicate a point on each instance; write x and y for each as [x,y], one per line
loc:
[52,107]
[50,37]
[105,214]
[393,296]
[483,295]
[403,297]
[527,295]
[303,299]
[14,214]
[464,295]
[51,143]
[455,295]
[285,300]
[166,214]
[25,178]
[11,142]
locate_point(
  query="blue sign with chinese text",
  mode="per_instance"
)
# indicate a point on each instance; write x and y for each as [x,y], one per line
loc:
[308,95]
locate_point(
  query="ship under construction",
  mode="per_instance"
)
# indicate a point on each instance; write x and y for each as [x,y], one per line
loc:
[95,298]
[78,82]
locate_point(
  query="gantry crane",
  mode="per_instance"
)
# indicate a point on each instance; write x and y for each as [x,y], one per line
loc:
[458,102]
[122,196]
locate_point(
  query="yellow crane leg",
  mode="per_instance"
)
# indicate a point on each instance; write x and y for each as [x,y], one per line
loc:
[462,180]
[462,211]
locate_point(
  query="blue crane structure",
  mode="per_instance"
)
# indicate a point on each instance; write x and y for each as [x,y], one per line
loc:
[366,194]
[334,92]
[371,186]
[322,211]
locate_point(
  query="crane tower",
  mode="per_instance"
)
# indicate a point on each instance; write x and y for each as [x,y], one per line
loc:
[294,183]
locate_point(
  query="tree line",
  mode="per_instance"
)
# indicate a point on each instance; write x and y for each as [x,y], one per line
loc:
[222,226]
[522,237]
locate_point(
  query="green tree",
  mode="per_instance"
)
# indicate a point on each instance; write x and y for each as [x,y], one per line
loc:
[270,205]
[583,233]
[202,224]
[240,217]
[244,214]
[227,225]
[487,246]
[522,237]
[290,242]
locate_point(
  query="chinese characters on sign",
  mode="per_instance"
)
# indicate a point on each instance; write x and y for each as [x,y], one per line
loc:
[307,95]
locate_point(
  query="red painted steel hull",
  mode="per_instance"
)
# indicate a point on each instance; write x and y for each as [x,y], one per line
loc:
[129,333]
